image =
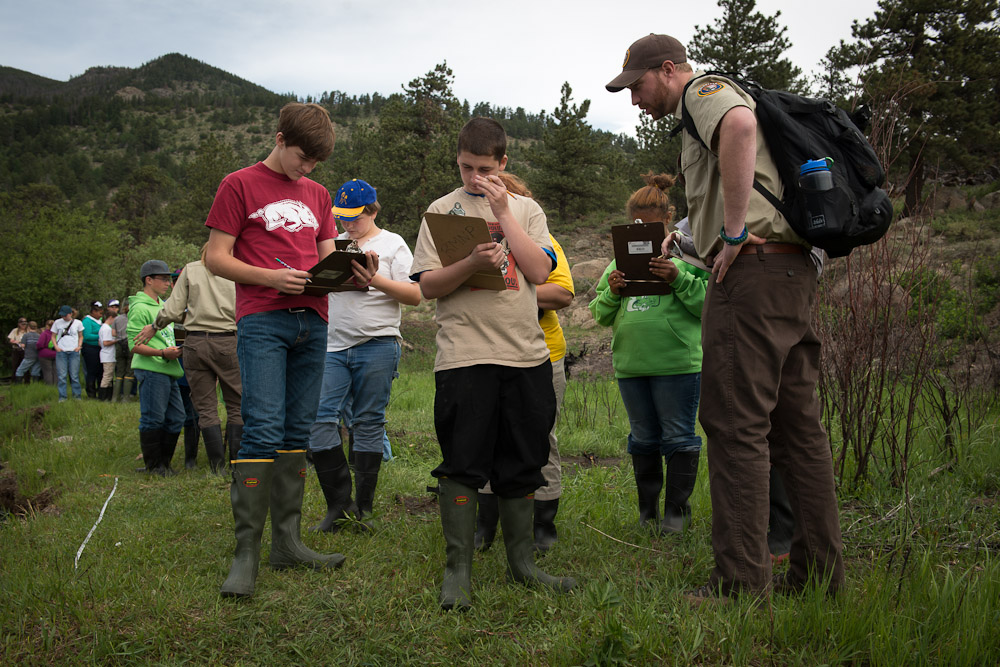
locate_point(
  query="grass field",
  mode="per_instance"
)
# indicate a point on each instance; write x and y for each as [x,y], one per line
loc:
[923,578]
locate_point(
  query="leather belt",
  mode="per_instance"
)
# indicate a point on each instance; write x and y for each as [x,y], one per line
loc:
[773,249]
[210,334]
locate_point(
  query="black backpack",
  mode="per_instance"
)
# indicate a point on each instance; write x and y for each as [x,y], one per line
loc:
[798,129]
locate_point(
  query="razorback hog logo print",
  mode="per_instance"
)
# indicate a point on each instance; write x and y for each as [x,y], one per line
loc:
[290,214]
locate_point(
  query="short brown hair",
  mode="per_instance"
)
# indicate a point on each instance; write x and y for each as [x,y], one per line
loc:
[483,136]
[653,195]
[309,128]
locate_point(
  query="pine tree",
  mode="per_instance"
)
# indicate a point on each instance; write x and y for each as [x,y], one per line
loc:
[569,165]
[929,69]
[747,42]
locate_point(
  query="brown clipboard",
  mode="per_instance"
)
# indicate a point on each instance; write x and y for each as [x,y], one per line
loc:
[455,236]
[634,246]
[332,273]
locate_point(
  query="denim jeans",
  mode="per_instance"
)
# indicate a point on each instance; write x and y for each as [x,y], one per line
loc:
[356,386]
[32,367]
[661,412]
[68,362]
[281,357]
[160,405]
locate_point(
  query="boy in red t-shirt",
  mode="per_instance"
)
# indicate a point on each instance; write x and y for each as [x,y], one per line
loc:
[265,220]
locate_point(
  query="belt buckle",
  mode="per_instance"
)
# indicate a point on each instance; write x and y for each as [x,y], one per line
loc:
[296,310]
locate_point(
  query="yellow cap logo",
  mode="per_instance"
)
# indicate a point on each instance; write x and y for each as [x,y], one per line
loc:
[627,54]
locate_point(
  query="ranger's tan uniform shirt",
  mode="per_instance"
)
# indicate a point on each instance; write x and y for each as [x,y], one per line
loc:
[708,99]
[209,301]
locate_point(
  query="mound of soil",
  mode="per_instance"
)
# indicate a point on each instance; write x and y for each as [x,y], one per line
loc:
[13,502]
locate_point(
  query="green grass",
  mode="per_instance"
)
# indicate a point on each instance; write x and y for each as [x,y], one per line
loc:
[923,579]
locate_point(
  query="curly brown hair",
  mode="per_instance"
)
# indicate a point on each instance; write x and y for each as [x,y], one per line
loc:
[652,196]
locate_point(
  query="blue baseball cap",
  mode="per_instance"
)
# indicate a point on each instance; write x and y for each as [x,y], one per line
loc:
[64,311]
[352,197]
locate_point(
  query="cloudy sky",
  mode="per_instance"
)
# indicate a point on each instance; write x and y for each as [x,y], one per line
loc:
[513,53]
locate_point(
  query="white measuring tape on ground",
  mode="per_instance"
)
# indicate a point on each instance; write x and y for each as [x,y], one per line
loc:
[76,561]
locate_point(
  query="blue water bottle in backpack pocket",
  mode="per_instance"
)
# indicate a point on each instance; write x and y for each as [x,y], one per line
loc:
[816,180]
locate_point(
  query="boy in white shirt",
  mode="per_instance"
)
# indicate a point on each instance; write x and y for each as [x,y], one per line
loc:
[106,341]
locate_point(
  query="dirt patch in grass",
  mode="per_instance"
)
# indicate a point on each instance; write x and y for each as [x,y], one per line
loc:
[571,464]
[12,501]
[417,505]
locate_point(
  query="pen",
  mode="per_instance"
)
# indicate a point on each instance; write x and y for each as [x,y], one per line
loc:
[288,267]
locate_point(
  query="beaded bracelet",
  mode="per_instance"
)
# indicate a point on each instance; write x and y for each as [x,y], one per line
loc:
[733,240]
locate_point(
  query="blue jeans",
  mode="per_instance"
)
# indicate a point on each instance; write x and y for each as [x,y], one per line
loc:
[661,412]
[281,363]
[68,362]
[160,405]
[29,366]
[347,418]
[356,385]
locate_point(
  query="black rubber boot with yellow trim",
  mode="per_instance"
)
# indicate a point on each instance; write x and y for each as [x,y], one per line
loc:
[250,494]
[516,521]
[458,521]
[287,489]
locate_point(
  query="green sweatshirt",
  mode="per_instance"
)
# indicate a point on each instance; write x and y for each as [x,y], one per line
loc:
[656,334]
[142,310]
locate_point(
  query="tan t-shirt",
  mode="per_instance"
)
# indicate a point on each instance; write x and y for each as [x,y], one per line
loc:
[479,326]
[708,99]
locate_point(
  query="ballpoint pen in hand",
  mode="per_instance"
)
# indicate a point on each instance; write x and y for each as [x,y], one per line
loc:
[284,264]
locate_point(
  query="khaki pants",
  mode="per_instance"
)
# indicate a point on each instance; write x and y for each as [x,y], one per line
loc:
[211,361]
[759,405]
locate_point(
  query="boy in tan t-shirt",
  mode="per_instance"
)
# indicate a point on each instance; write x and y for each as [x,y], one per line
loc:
[494,404]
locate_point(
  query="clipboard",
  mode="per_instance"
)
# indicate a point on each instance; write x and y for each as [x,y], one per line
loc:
[634,246]
[331,274]
[455,236]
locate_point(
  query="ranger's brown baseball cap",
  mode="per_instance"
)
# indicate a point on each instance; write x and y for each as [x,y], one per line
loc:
[645,54]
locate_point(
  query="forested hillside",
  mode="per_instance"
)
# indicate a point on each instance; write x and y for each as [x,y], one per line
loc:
[121,164]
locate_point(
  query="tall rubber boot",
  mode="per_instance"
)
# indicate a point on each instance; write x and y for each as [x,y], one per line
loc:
[234,438]
[127,390]
[458,522]
[545,524]
[167,447]
[287,489]
[191,438]
[213,447]
[682,473]
[250,494]
[150,443]
[486,521]
[334,477]
[648,470]
[516,517]
[366,468]
[116,390]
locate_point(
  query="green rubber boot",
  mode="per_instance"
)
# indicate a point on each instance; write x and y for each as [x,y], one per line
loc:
[458,521]
[516,521]
[250,493]
[287,489]
[116,390]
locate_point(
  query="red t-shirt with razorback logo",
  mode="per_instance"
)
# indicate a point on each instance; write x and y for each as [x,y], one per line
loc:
[273,217]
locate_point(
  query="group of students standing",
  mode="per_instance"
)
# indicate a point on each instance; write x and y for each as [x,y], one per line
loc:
[54,354]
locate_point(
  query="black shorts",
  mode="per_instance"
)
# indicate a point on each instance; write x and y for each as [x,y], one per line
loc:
[493,426]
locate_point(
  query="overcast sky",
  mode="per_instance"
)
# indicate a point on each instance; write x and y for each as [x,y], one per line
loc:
[513,53]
